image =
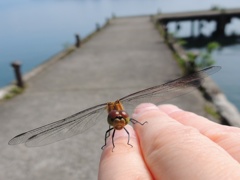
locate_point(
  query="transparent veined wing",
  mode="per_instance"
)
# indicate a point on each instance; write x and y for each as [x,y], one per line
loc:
[62,129]
[81,121]
[169,90]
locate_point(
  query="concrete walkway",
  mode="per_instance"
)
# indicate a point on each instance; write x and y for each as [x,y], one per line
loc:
[127,56]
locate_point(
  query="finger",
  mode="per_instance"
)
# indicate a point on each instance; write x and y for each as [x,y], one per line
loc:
[124,161]
[174,151]
[225,136]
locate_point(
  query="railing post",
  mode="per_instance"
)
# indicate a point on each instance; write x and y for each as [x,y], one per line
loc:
[107,21]
[16,66]
[78,41]
[165,32]
[113,15]
[97,27]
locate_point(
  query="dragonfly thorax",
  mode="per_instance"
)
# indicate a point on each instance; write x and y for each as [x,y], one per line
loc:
[118,119]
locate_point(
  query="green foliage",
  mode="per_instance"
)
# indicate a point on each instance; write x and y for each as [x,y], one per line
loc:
[223,11]
[180,61]
[210,110]
[212,46]
[69,50]
[192,56]
[218,8]
[13,92]
[181,42]
[171,34]
[215,8]
[205,58]
[190,67]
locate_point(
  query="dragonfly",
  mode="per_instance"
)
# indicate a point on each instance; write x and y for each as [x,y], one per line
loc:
[117,117]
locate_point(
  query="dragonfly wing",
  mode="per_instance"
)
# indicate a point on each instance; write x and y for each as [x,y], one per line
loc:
[169,90]
[62,129]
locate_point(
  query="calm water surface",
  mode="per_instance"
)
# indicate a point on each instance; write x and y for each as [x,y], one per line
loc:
[32,30]
[228,78]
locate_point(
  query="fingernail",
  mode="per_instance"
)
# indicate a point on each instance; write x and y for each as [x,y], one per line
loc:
[143,108]
[169,108]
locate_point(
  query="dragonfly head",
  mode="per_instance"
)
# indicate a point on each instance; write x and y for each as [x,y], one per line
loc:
[118,119]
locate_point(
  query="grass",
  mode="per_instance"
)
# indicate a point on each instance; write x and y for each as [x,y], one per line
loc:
[13,92]
[210,110]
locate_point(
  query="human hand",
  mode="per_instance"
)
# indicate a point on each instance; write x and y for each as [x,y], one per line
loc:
[174,144]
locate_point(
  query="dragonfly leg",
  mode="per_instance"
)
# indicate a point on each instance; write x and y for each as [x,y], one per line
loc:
[128,137]
[134,121]
[107,134]
[113,140]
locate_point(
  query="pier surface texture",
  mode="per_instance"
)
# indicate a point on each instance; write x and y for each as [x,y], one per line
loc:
[126,56]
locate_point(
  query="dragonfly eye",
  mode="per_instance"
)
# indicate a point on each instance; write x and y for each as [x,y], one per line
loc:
[117,114]
[124,114]
[114,114]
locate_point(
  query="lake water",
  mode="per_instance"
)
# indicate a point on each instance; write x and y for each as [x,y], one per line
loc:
[32,31]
